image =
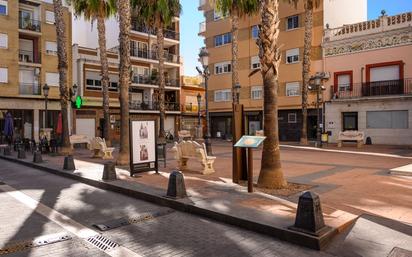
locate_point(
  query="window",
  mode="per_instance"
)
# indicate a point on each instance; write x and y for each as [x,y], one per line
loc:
[387,119]
[292,117]
[3,7]
[256,93]
[223,39]
[3,40]
[217,15]
[255,62]
[292,22]
[255,32]
[52,78]
[51,48]
[4,75]
[292,89]
[292,55]
[113,82]
[223,95]
[223,67]
[350,121]
[50,17]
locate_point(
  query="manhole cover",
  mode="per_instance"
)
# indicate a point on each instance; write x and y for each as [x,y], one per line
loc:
[36,242]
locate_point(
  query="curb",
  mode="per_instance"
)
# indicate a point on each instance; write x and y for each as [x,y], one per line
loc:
[298,238]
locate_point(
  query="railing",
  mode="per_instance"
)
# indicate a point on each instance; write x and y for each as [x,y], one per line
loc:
[383,23]
[191,107]
[29,24]
[202,27]
[152,106]
[29,89]
[29,56]
[153,80]
[373,89]
[168,33]
[147,54]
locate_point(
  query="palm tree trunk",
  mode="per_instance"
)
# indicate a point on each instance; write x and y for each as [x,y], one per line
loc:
[160,54]
[124,78]
[62,66]
[101,27]
[306,69]
[235,47]
[271,175]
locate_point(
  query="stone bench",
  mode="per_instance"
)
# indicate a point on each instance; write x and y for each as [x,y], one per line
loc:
[79,139]
[192,150]
[184,134]
[100,150]
[351,135]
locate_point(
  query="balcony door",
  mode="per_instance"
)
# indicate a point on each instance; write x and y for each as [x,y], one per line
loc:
[26,18]
[384,78]
[26,50]
[29,84]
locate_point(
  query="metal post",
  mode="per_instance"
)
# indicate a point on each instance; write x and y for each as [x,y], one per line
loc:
[45,111]
[250,170]
[207,136]
[198,113]
[318,132]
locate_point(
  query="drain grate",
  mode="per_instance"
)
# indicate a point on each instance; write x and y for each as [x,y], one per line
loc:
[102,242]
[36,242]
[112,224]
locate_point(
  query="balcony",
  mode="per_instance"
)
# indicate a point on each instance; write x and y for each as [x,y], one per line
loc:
[29,57]
[202,27]
[152,106]
[29,89]
[202,3]
[168,33]
[192,108]
[373,89]
[30,24]
[152,55]
[153,80]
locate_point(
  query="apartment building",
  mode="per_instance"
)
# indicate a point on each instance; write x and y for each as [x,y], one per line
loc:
[28,51]
[371,87]
[144,90]
[192,88]
[217,33]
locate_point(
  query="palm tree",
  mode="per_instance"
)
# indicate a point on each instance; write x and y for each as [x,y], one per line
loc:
[309,6]
[99,10]
[236,9]
[158,14]
[271,175]
[62,66]
[124,12]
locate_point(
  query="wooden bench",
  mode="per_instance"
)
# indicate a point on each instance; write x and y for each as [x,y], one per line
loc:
[351,135]
[184,134]
[79,139]
[100,150]
[186,150]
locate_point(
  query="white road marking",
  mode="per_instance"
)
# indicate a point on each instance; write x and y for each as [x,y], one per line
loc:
[62,220]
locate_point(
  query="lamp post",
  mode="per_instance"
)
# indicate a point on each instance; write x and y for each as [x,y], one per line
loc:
[237,92]
[199,98]
[46,95]
[315,83]
[205,73]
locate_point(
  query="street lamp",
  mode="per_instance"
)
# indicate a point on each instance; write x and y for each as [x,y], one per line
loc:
[237,92]
[46,89]
[205,73]
[315,83]
[199,98]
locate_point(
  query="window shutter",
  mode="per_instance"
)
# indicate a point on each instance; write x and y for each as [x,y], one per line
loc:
[3,75]
[52,79]
[51,47]
[50,17]
[3,40]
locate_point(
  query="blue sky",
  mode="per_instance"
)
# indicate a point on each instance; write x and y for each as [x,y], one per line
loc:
[191,17]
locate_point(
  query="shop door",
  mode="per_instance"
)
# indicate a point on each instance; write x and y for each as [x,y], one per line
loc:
[86,127]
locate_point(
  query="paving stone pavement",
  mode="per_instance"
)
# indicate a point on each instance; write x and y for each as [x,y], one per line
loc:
[175,234]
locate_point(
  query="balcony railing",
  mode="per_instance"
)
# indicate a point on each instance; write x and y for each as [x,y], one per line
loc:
[29,24]
[29,56]
[373,89]
[153,80]
[202,27]
[168,33]
[152,55]
[152,106]
[192,108]
[29,89]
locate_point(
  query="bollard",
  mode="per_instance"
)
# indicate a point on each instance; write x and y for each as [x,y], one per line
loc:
[21,154]
[7,151]
[109,171]
[69,163]
[37,157]
[309,216]
[176,187]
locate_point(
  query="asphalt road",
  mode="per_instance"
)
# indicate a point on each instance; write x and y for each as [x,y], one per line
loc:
[34,203]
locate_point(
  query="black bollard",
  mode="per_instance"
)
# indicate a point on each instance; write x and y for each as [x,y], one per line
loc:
[7,151]
[176,187]
[21,154]
[109,171]
[37,157]
[69,163]
[309,216]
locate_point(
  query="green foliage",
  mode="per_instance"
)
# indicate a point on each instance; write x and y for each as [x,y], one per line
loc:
[156,12]
[238,7]
[91,9]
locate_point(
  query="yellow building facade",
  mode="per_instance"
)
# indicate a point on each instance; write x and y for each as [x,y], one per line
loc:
[28,50]
[216,31]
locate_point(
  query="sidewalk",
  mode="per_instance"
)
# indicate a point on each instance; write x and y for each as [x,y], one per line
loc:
[216,198]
